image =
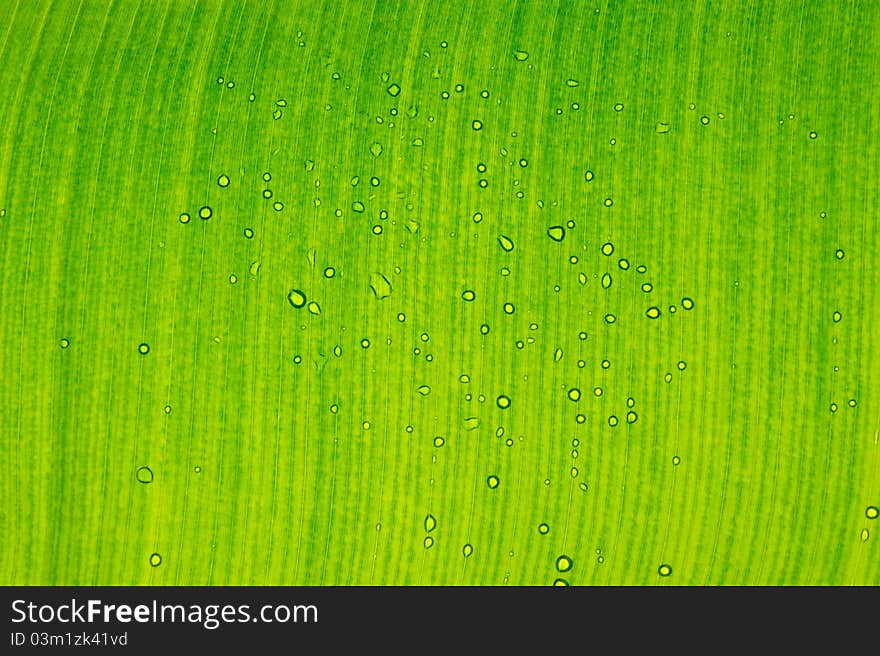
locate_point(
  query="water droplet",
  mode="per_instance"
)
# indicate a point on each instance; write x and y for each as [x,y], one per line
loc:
[468,295]
[610,318]
[704,120]
[477,125]
[223,180]
[314,308]
[813,135]
[184,217]
[557,355]
[608,202]
[365,343]
[606,281]
[560,583]
[618,107]
[430,523]
[429,542]
[664,570]
[277,114]
[574,394]
[439,441]
[872,512]
[836,317]
[155,559]
[380,285]
[667,378]
[652,313]
[506,243]
[205,213]
[687,303]
[337,351]
[167,409]
[676,461]
[563,563]
[143,348]
[607,249]
[509,308]
[520,55]
[248,233]
[682,365]
[588,176]
[839,254]
[393,89]
[197,469]
[556,233]
[631,417]
[296,298]
[64,343]
[597,391]
[851,403]
[424,390]
[492,482]
[612,421]
[543,528]
[144,475]
[467,550]
[864,535]
[484,329]
[503,401]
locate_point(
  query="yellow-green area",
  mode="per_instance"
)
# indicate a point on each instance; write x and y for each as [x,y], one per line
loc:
[484,293]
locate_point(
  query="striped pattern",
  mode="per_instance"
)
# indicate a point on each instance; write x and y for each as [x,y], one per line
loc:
[696,123]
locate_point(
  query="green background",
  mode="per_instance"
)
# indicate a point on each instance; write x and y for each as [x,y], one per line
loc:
[114,123]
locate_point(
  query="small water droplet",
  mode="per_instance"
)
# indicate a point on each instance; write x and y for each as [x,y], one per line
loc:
[143,348]
[468,295]
[872,512]
[506,243]
[574,394]
[439,441]
[492,481]
[556,233]
[380,285]
[314,308]
[223,180]
[144,475]
[429,542]
[503,401]
[155,559]
[520,55]
[563,563]
[205,213]
[430,523]
[606,281]
[543,528]
[467,550]
[296,298]
[652,313]
[393,89]
[664,570]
